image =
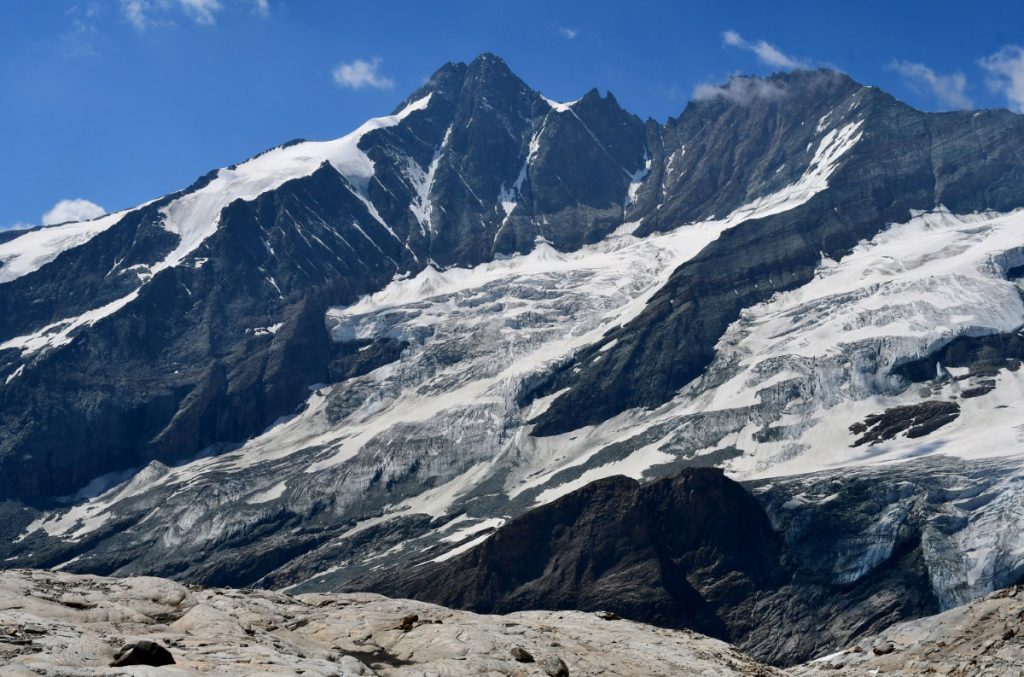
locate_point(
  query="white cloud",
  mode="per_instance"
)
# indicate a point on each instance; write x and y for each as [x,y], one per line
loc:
[262,7]
[140,13]
[568,33]
[20,225]
[360,73]
[1006,74]
[767,53]
[739,89]
[72,210]
[948,89]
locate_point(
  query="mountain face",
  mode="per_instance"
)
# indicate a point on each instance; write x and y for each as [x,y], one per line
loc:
[357,354]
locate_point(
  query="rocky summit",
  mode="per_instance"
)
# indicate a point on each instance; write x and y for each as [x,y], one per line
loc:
[753,371]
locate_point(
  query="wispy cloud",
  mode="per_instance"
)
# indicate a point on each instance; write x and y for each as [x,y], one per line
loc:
[1006,74]
[201,10]
[20,225]
[261,7]
[949,90]
[144,14]
[80,37]
[765,52]
[361,73]
[568,33]
[72,210]
[136,13]
[741,90]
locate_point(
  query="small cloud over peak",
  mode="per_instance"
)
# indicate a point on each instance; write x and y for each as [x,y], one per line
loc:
[72,210]
[740,90]
[568,33]
[949,90]
[361,73]
[1005,71]
[766,53]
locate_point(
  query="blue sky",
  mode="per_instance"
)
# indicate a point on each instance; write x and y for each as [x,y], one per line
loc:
[114,102]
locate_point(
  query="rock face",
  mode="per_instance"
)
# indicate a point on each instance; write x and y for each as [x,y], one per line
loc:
[787,568]
[58,624]
[696,551]
[915,420]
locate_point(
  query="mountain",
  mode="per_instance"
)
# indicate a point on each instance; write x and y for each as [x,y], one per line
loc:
[362,354]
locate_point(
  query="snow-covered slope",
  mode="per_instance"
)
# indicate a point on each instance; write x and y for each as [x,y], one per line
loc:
[193,217]
[23,254]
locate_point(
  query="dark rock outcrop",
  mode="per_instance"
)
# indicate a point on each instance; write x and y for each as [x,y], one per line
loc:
[983,355]
[916,420]
[696,551]
[143,652]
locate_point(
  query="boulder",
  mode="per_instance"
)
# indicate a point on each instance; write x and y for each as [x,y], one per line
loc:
[142,652]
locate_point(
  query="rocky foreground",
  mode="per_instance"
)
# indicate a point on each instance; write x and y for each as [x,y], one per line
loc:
[59,624]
